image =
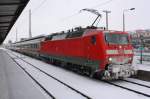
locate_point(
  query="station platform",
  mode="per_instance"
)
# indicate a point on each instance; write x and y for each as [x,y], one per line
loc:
[15,83]
[143,75]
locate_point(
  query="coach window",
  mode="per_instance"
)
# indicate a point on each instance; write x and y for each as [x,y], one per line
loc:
[35,45]
[93,40]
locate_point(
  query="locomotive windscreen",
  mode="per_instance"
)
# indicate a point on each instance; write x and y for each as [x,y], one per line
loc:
[113,38]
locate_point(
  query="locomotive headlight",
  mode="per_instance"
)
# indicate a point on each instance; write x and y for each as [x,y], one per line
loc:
[110,59]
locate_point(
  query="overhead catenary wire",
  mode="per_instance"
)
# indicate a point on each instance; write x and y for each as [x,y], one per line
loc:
[102,4]
[70,16]
[78,12]
[38,7]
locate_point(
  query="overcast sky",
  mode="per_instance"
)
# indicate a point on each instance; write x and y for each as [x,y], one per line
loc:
[49,16]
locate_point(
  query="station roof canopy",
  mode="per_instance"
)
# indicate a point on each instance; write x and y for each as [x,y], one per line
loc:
[9,13]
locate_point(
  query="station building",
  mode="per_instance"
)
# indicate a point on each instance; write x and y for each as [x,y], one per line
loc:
[141,37]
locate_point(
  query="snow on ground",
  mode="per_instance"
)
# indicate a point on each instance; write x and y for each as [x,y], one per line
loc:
[133,86]
[93,88]
[138,81]
[57,89]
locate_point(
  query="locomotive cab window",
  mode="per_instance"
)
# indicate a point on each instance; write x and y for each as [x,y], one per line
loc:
[116,38]
[93,40]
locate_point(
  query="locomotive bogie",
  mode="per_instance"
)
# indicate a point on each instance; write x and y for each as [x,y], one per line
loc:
[119,71]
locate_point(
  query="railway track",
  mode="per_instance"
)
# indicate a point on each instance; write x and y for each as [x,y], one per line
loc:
[77,91]
[131,88]
[109,82]
[41,86]
[137,83]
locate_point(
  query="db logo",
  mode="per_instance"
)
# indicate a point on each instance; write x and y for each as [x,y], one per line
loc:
[121,51]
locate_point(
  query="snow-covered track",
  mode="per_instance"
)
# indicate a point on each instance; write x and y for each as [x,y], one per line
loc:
[41,86]
[93,86]
[136,83]
[77,91]
[127,88]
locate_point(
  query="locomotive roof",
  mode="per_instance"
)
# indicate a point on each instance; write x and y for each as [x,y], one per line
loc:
[33,38]
[77,32]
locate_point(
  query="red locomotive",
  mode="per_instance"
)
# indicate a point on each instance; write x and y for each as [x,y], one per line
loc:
[108,54]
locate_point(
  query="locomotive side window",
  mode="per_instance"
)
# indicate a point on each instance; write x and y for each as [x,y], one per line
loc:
[93,40]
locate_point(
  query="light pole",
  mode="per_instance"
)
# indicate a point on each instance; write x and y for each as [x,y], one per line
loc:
[30,31]
[141,48]
[125,10]
[16,34]
[106,11]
